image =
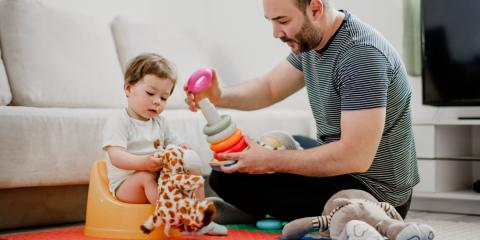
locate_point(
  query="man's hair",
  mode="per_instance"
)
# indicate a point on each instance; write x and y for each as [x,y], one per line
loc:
[150,63]
[302,4]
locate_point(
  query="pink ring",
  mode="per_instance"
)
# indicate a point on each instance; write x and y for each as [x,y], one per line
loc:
[199,80]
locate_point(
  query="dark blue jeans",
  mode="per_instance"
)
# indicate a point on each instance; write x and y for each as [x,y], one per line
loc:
[284,196]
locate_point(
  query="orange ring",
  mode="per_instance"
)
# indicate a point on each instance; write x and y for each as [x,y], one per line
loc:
[228,142]
[238,147]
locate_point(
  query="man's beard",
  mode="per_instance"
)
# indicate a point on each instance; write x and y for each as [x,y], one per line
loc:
[308,38]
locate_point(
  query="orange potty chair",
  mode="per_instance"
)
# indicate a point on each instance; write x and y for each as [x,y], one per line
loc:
[109,218]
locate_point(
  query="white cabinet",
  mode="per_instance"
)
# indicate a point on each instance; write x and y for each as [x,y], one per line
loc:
[448,156]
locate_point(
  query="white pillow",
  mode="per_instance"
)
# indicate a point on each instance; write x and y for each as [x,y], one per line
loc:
[56,58]
[133,38]
[5,94]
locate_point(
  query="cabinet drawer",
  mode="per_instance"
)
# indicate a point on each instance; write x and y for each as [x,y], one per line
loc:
[424,141]
[443,175]
[443,141]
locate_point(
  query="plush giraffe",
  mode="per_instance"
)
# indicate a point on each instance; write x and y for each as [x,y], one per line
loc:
[177,206]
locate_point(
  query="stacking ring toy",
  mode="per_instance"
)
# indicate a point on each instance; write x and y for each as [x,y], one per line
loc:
[222,135]
[210,130]
[199,80]
[227,143]
[238,147]
[217,165]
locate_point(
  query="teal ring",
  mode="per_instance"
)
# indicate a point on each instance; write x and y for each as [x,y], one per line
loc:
[269,224]
[224,134]
[224,122]
[219,169]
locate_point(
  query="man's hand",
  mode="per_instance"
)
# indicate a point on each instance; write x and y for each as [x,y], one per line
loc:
[213,93]
[255,160]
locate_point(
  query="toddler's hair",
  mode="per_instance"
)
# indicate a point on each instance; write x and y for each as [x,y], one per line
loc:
[150,63]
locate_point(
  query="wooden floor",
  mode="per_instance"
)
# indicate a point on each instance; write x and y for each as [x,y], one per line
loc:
[435,216]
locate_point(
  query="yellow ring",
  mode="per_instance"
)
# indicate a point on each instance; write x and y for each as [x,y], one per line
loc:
[228,142]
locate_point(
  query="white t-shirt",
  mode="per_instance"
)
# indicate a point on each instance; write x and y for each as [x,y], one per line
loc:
[137,137]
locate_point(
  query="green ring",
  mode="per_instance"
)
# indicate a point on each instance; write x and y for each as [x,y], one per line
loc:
[224,134]
[224,122]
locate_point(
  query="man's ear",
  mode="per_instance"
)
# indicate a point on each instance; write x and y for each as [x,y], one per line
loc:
[316,7]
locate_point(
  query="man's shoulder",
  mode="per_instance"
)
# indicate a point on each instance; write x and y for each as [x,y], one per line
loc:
[364,39]
[362,33]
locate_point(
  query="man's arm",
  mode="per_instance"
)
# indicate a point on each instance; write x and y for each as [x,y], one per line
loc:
[361,132]
[276,85]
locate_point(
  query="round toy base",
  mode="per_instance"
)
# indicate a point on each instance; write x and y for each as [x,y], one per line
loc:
[216,165]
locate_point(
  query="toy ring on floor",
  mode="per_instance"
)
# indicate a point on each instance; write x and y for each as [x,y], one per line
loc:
[238,147]
[227,143]
[227,132]
[269,224]
[199,80]
[213,129]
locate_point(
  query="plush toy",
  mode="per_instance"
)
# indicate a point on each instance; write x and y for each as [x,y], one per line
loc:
[177,205]
[278,140]
[355,214]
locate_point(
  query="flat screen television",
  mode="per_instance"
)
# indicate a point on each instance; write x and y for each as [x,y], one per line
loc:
[451,52]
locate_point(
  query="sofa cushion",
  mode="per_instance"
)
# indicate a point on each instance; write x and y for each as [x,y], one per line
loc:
[5,94]
[49,146]
[134,37]
[56,58]
[57,146]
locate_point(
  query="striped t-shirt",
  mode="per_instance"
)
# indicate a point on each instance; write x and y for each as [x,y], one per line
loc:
[359,69]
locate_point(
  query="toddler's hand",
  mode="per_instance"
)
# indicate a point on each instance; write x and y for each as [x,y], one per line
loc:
[152,163]
[186,146]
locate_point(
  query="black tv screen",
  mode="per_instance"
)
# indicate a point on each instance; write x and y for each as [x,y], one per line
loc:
[451,52]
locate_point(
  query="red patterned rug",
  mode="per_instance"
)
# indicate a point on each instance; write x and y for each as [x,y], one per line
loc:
[76,233]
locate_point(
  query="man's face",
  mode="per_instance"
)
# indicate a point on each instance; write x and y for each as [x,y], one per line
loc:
[291,25]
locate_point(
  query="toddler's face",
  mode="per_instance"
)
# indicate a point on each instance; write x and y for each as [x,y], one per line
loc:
[147,98]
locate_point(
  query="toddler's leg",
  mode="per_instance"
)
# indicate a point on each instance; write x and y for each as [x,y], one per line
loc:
[140,187]
[193,164]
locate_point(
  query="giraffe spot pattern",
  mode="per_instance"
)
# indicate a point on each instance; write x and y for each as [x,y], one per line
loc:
[177,204]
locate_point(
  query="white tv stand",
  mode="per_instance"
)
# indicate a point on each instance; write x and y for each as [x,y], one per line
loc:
[448,154]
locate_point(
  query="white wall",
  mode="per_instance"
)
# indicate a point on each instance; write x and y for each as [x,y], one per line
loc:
[242,37]
[239,38]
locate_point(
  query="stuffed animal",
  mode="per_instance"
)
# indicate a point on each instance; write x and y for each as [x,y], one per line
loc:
[355,214]
[177,205]
[278,140]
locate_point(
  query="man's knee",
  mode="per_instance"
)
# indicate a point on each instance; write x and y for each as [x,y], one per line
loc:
[223,182]
[215,181]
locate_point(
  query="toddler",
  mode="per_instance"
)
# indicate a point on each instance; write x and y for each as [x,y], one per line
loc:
[133,136]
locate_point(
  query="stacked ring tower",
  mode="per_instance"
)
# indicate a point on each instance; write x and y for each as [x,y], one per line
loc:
[222,133]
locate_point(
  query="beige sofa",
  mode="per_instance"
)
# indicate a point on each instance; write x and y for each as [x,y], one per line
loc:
[61,77]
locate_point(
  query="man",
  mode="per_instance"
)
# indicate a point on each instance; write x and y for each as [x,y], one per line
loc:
[360,98]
